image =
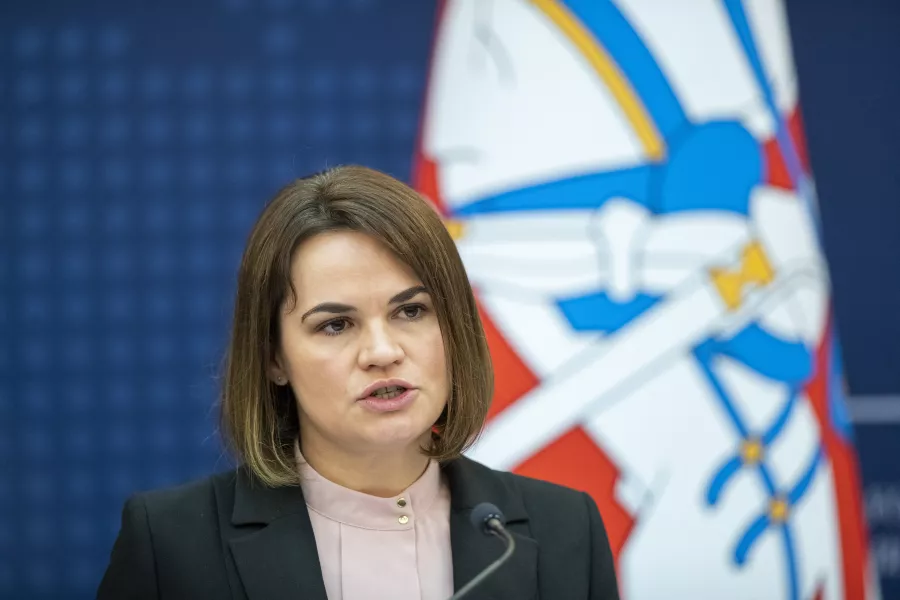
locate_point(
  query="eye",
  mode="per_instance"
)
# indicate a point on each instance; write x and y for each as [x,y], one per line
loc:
[334,327]
[413,312]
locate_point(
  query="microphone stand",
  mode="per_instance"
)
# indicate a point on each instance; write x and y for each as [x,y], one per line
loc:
[495,527]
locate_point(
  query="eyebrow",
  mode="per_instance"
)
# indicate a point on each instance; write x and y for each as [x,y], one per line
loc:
[338,308]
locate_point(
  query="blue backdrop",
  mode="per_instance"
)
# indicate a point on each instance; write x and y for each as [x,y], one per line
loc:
[139,142]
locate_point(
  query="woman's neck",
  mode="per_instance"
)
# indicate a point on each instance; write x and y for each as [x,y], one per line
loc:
[383,474]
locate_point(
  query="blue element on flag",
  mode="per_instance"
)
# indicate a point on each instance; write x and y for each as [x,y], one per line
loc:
[633,57]
[837,403]
[713,167]
[598,312]
[774,358]
[766,351]
[741,26]
[589,191]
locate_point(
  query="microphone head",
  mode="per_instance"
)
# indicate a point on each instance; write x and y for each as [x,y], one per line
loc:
[483,513]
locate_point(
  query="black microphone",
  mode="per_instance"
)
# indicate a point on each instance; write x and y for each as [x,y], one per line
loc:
[489,520]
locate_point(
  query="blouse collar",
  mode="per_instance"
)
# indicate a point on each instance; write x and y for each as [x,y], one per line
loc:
[358,509]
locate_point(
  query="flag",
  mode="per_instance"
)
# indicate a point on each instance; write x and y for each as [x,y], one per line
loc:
[628,187]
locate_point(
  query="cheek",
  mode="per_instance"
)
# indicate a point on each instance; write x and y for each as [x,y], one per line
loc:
[435,357]
[316,370]
[316,376]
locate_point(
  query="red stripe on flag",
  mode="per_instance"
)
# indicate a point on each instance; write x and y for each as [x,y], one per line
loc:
[512,377]
[574,460]
[776,170]
[847,484]
[425,180]
[820,593]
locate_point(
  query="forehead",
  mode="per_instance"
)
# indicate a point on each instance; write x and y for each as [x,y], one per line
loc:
[347,267]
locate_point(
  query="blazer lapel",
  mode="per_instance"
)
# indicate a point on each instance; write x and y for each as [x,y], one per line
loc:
[470,484]
[277,556]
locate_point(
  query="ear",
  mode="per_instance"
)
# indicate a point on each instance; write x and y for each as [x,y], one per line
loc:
[277,373]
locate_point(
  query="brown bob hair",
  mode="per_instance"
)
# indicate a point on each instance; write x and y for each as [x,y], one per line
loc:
[259,420]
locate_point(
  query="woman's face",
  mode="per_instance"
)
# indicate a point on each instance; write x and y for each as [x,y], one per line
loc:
[361,319]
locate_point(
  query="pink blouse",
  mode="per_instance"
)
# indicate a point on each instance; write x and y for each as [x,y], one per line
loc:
[371,547]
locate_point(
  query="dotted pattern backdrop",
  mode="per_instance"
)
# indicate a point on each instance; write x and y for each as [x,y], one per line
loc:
[138,142]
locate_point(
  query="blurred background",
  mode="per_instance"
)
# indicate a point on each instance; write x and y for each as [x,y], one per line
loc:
[138,142]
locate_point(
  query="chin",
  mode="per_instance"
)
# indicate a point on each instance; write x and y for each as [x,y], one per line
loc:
[395,434]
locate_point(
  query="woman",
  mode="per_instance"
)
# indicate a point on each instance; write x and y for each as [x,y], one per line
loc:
[357,374]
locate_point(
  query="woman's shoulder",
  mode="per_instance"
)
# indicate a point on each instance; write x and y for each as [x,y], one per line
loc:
[564,521]
[526,484]
[541,488]
[186,500]
[539,496]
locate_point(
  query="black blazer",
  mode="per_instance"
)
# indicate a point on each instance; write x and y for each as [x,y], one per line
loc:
[228,537]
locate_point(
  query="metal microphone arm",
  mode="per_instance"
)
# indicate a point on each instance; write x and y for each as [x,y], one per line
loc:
[495,527]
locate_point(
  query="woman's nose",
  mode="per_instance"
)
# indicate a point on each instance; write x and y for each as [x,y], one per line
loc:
[379,348]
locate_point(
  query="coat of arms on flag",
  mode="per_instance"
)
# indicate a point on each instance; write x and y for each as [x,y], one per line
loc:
[628,187]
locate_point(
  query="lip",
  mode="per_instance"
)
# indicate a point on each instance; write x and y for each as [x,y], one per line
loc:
[386,383]
[390,404]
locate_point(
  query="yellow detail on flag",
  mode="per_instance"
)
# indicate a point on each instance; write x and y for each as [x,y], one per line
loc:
[754,269]
[778,510]
[751,451]
[455,228]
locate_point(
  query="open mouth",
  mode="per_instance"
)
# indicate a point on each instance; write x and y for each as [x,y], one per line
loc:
[386,393]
